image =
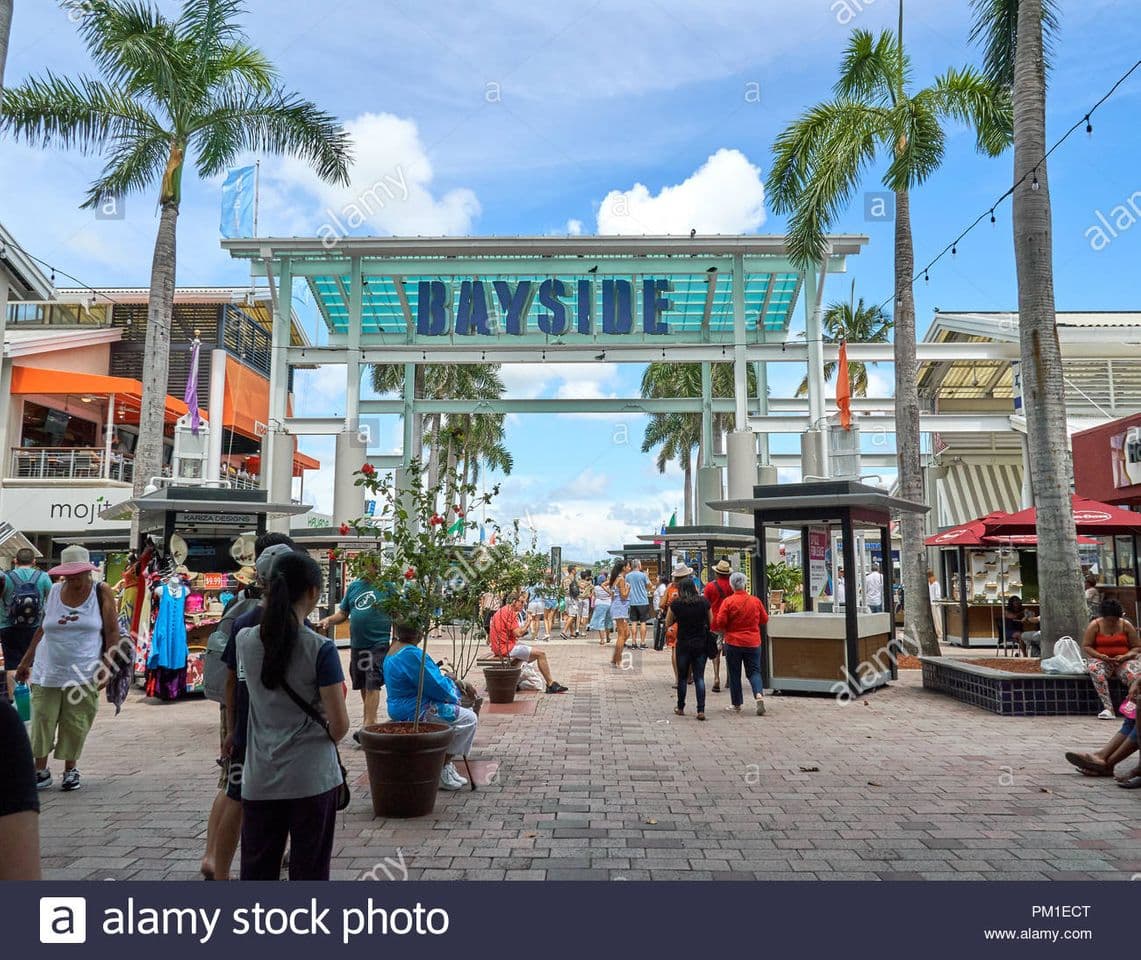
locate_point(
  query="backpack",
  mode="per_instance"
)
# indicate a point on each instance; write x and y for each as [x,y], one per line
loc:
[26,607]
[214,671]
[573,589]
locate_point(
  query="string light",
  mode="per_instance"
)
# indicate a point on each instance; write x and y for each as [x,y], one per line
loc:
[1031,175]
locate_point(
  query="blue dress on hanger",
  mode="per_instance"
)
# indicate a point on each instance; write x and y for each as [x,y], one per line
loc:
[168,643]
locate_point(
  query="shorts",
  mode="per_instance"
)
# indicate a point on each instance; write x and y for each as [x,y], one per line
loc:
[15,642]
[366,667]
[579,608]
[234,774]
[640,613]
[520,652]
[551,603]
[537,608]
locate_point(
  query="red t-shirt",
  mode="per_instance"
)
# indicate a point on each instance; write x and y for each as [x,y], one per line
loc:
[717,597]
[503,627]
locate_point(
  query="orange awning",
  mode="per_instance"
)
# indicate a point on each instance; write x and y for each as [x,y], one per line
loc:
[128,393]
[245,404]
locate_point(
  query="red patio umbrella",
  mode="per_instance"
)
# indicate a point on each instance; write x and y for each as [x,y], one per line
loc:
[965,534]
[1090,517]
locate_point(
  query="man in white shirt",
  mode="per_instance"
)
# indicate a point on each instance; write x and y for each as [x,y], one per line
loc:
[873,589]
[840,587]
[936,592]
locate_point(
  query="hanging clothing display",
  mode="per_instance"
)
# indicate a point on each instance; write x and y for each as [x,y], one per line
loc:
[166,661]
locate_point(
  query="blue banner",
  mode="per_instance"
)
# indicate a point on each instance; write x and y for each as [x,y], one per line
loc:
[238,203]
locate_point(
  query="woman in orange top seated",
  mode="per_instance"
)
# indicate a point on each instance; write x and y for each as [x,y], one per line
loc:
[1113,649]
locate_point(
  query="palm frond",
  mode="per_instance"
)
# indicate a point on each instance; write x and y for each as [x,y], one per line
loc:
[84,114]
[278,122]
[133,46]
[919,145]
[869,71]
[969,97]
[994,28]
[133,165]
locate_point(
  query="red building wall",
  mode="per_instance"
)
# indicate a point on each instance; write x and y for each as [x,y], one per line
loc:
[1105,468]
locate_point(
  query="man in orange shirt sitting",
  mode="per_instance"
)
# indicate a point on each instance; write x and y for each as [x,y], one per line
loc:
[739,619]
[504,637]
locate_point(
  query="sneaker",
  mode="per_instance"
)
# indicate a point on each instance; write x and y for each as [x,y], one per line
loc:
[70,780]
[356,736]
[43,779]
[450,779]
[760,706]
[557,688]
[1105,715]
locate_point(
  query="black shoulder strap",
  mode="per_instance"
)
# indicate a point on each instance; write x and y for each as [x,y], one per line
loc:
[720,589]
[308,708]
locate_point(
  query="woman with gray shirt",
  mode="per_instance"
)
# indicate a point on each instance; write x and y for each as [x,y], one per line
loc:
[291,777]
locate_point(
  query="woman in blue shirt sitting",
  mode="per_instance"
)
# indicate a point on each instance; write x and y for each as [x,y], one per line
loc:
[439,704]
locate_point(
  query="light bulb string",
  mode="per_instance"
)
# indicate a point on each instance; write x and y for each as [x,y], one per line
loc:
[1085,121]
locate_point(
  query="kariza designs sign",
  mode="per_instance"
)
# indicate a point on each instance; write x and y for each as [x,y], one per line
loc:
[478,307]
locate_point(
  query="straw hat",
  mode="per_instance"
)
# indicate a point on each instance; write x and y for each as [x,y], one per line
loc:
[75,560]
[681,571]
[246,576]
[723,567]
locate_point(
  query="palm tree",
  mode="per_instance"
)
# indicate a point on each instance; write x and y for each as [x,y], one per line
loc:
[676,434]
[680,433]
[457,437]
[819,164]
[858,324]
[5,30]
[170,90]
[1017,38]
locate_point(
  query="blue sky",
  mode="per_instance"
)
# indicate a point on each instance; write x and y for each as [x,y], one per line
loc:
[507,117]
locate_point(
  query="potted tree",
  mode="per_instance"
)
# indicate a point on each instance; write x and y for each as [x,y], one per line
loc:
[420,559]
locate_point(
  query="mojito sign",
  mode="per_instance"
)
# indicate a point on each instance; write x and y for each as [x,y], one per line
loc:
[568,307]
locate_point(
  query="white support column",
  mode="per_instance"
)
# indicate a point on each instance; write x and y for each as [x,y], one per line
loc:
[108,437]
[281,473]
[217,403]
[5,385]
[814,280]
[706,415]
[353,364]
[761,372]
[1027,477]
[348,498]
[740,358]
[742,451]
[411,450]
[278,385]
[708,488]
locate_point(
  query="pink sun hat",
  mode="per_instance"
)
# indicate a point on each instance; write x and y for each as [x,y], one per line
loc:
[75,560]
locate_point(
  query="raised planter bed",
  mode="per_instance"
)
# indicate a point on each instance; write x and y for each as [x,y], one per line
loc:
[1012,694]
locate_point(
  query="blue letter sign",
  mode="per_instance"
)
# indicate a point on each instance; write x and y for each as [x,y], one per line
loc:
[617,306]
[555,322]
[432,301]
[515,305]
[653,305]
[471,311]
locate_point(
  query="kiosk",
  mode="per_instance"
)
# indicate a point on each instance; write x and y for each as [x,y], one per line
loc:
[848,651]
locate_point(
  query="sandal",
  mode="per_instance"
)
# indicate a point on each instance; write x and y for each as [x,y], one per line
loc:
[1085,762]
[680,711]
[716,688]
[1133,783]
[701,716]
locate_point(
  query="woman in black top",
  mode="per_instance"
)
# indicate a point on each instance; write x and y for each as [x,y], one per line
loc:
[694,618]
[19,804]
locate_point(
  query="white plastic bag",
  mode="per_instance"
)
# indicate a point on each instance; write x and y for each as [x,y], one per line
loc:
[531,679]
[1067,658]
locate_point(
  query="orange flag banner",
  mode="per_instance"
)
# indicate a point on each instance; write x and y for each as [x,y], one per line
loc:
[844,388]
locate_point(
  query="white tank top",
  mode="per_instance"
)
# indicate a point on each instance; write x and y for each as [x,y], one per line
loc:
[72,645]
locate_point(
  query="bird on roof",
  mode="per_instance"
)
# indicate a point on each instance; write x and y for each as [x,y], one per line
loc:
[693,233]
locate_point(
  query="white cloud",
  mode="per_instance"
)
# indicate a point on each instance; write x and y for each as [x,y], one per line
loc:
[574,228]
[391,189]
[726,194]
[589,483]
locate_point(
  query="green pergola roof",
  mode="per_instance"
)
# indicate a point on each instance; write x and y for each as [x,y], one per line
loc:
[698,269]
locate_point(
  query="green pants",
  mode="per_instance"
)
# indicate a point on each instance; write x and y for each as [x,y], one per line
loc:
[62,717]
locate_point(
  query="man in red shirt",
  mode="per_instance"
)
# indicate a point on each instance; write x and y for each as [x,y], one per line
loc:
[739,619]
[504,635]
[716,592]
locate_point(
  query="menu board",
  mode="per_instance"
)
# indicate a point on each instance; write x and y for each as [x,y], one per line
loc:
[817,565]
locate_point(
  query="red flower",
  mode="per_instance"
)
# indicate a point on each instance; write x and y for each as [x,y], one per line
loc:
[368,470]
[345,529]
[457,511]
[410,574]
[332,554]
[436,520]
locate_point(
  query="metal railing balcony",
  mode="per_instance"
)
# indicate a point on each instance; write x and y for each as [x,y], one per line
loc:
[70,463]
[59,314]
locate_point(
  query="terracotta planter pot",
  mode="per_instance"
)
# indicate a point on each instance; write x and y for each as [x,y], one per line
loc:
[404,767]
[501,683]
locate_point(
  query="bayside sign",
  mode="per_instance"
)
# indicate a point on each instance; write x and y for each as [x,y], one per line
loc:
[569,305]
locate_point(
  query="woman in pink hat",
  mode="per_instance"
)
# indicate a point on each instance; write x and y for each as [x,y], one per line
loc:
[66,663]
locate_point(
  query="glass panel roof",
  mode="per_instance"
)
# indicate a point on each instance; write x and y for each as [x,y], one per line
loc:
[774,293]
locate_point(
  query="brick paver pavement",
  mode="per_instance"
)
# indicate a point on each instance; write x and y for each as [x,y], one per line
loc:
[606,783]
